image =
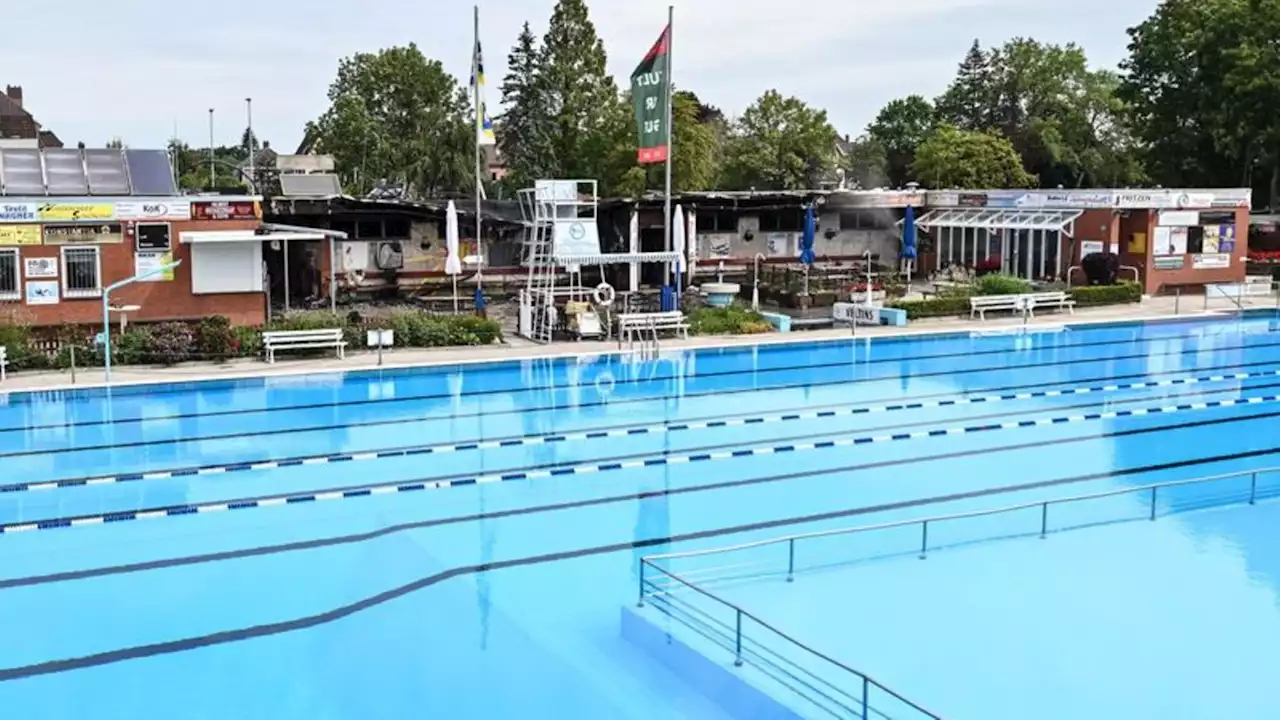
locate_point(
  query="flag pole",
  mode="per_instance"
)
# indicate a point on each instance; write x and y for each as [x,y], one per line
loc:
[666,204]
[480,256]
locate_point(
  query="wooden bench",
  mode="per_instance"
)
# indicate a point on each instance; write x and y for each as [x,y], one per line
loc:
[982,303]
[4,363]
[1057,300]
[631,323]
[274,341]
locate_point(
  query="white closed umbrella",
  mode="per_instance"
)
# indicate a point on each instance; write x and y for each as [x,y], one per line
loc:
[677,246]
[452,264]
[633,238]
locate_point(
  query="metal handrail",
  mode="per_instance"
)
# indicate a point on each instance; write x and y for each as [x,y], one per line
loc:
[924,523]
[739,614]
[1044,505]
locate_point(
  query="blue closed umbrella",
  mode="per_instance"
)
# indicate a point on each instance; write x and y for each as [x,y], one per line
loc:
[806,240]
[480,303]
[909,234]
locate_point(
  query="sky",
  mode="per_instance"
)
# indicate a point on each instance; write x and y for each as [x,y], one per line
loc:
[137,69]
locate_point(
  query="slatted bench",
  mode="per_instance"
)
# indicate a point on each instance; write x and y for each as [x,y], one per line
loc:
[1057,300]
[4,363]
[632,323]
[274,341]
[981,304]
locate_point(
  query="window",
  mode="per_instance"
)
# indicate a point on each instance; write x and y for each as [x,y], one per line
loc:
[369,229]
[81,271]
[9,274]
[718,221]
[790,220]
[878,219]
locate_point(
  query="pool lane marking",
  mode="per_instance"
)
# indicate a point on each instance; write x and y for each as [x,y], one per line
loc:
[223,637]
[668,492]
[599,467]
[613,402]
[617,432]
[438,396]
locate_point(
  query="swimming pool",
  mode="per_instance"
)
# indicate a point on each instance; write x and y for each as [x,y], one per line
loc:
[457,542]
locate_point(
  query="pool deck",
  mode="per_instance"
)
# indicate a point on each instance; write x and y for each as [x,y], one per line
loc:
[1160,308]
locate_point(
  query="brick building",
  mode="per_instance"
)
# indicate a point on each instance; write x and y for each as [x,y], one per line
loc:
[17,123]
[73,222]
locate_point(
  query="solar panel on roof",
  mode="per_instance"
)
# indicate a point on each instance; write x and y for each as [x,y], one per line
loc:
[64,172]
[23,174]
[317,185]
[150,172]
[106,172]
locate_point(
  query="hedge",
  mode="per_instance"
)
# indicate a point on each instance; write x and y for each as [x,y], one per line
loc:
[1085,296]
[1089,295]
[732,320]
[214,338]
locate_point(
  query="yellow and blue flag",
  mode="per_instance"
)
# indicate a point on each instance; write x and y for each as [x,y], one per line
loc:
[484,123]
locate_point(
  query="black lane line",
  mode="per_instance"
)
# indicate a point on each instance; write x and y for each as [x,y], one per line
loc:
[370,423]
[669,492]
[493,391]
[277,628]
[185,473]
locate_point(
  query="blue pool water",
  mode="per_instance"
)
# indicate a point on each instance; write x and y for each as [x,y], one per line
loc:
[457,542]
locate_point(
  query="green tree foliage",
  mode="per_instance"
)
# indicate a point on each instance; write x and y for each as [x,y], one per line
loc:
[522,138]
[899,128]
[586,124]
[229,163]
[954,158]
[969,103]
[780,143]
[1066,120]
[695,146]
[1203,79]
[398,116]
[867,163]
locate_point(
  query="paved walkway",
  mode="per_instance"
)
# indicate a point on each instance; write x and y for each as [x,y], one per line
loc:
[518,348]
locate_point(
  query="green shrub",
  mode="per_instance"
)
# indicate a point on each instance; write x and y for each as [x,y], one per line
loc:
[171,343]
[215,339]
[248,341]
[20,348]
[131,347]
[732,320]
[1125,292]
[996,284]
[932,307]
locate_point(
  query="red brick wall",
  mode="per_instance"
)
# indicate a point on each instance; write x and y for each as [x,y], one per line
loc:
[158,300]
[1188,275]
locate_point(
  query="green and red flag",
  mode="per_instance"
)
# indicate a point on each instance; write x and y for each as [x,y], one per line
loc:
[650,93]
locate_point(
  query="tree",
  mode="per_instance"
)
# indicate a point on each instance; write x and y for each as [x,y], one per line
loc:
[398,116]
[899,128]
[954,158]
[969,102]
[1202,80]
[780,143]
[586,127]
[867,163]
[115,143]
[521,139]
[1064,119]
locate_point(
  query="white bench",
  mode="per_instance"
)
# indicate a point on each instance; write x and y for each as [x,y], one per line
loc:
[981,304]
[1057,300]
[632,323]
[4,363]
[274,341]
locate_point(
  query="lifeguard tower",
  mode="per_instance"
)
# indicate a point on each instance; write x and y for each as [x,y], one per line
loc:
[562,233]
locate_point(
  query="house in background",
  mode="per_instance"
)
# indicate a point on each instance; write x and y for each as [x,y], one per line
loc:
[16,122]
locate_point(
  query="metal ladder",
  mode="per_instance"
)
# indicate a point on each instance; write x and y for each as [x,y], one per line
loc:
[649,346]
[542,281]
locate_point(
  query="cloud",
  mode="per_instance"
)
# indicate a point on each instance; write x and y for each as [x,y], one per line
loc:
[132,67]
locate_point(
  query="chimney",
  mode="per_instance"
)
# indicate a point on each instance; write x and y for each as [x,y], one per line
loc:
[15,94]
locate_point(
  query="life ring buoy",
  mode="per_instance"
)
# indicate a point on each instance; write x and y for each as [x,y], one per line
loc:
[605,294]
[605,384]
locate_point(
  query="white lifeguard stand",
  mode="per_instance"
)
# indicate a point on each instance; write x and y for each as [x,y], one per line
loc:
[562,232]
